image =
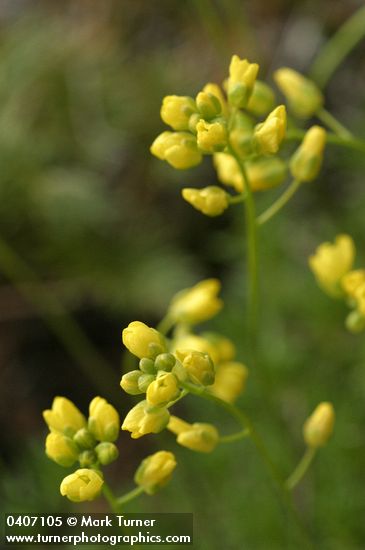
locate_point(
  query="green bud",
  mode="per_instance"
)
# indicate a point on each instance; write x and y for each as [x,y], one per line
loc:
[144,381]
[106,453]
[355,322]
[87,459]
[208,105]
[165,362]
[147,366]
[84,439]
[262,99]
[130,380]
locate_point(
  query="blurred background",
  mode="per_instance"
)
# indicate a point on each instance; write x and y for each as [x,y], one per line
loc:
[94,234]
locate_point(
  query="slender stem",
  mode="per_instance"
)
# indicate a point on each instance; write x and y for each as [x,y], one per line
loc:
[354,143]
[131,495]
[235,437]
[165,324]
[238,198]
[110,497]
[252,252]
[338,47]
[58,319]
[181,396]
[301,468]
[329,120]
[279,203]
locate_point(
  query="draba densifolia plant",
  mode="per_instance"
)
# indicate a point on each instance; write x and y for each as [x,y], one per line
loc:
[242,128]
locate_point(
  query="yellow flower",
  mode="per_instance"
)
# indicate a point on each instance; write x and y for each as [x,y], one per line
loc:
[360,298]
[208,104]
[177,110]
[196,304]
[319,426]
[215,90]
[84,484]
[199,436]
[199,366]
[143,341]
[178,149]
[265,173]
[211,201]
[155,471]
[144,419]
[230,381]
[331,262]
[306,162]
[269,134]
[103,420]
[61,449]
[262,99]
[352,281]
[242,76]
[228,171]
[198,343]
[212,136]
[162,390]
[64,417]
[303,96]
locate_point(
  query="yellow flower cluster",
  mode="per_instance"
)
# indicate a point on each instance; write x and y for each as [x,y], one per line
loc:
[90,442]
[224,127]
[332,265]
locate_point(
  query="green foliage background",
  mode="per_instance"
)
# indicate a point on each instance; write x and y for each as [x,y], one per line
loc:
[101,223]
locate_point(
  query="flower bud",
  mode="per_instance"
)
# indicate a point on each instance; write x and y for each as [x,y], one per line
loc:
[303,96]
[242,141]
[147,366]
[129,382]
[318,427]
[230,381]
[142,340]
[104,420]
[162,390]
[179,149]
[155,471]
[84,439]
[144,381]
[61,449]
[211,137]
[228,171]
[180,372]
[306,162]
[208,105]
[331,262]
[64,417]
[242,76]
[269,134]
[196,304]
[165,362]
[352,281]
[224,348]
[355,322]
[106,453]
[211,201]
[199,437]
[262,99]
[215,90]
[265,173]
[84,484]
[144,419]
[88,458]
[177,110]
[199,366]
[198,343]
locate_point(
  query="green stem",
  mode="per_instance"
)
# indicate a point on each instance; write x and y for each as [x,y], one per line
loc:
[237,436]
[252,253]
[134,493]
[279,203]
[338,47]
[110,497]
[354,143]
[329,120]
[181,396]
[301,469]
[238,198]
[165,324]
[58,319]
